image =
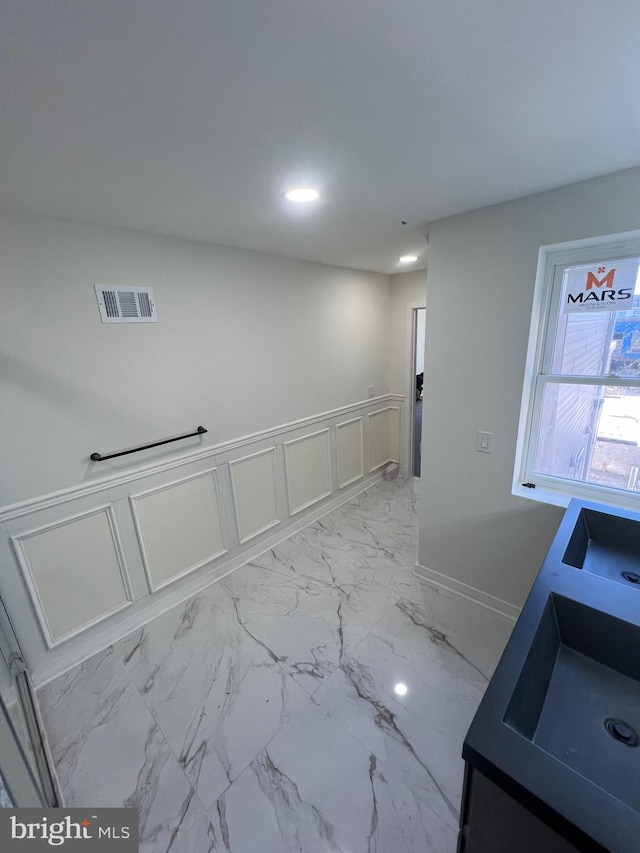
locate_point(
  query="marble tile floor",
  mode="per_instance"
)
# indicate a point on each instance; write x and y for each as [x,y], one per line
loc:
[5,799]
[261,716]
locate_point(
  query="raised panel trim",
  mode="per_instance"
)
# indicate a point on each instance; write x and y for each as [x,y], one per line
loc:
[372,415]
[25,570]
[396,458]
[275,523]
[295,510]
[137,521]
[360,420]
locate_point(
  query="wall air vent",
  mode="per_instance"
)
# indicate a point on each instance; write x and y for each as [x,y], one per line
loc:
[126,304]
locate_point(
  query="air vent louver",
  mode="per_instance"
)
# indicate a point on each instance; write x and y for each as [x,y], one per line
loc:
[144,302]
[126,305]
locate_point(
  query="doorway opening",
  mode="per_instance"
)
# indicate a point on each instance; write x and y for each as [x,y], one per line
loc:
[417,365]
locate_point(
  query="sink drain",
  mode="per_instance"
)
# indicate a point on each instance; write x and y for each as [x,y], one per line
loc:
[632,577]
[621,731]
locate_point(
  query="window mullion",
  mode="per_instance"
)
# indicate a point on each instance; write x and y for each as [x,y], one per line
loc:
[605,379]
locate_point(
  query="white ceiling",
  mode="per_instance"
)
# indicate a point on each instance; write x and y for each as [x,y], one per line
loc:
[190,117]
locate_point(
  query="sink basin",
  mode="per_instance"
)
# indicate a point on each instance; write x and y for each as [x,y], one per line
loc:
[558,727]
[605,545]
[578,695]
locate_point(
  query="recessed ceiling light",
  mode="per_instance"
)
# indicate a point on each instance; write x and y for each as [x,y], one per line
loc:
[408,259]
[401,689]
[302,194]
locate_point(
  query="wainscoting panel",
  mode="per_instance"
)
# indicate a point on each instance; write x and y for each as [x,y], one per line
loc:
[308,470]
[74,571]
[384,437]
[394,434]
[87,565]
[349,451]
[253,481]
[180,527]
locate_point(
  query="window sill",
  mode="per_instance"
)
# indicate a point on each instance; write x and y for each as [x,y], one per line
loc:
[561,496]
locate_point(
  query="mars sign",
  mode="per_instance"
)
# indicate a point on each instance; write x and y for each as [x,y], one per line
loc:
[602,287]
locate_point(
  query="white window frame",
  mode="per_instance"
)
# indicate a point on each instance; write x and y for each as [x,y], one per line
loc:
[551,262]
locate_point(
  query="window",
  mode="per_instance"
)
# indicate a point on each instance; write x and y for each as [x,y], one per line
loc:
[580,418]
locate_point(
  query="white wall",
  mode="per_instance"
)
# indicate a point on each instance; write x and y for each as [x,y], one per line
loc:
[273,356]
[245,341]
[482,267]
[407,289]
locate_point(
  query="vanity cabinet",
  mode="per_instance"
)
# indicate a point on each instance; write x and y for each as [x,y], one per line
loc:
[492,821]
[552,756]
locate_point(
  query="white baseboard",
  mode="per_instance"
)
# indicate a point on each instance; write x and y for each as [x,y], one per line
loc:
[471,593]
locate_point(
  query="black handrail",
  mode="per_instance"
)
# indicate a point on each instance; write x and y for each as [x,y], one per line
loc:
[97,457]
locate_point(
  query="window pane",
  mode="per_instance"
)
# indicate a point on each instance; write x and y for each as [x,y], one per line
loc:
[590,433]
[625,351]
[598,330]
[583,344]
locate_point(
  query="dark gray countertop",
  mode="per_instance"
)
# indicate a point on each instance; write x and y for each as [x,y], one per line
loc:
[579,809]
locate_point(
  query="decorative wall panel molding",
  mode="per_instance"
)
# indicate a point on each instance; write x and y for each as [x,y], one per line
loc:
[384,436]
[144,540]
[179,526]
[394,434]
[74,571]
[308,470]
[253,482]
[349,448]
